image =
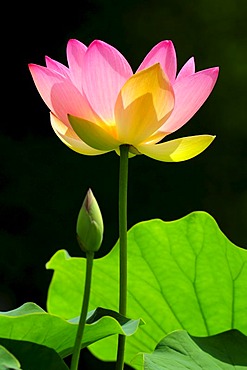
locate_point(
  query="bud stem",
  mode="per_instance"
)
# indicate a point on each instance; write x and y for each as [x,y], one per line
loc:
[84,310]
[123,186]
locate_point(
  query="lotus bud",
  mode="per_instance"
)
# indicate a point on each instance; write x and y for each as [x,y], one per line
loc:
[89,227]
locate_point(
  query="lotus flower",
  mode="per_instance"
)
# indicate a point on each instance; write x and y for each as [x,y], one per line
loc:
[97,103]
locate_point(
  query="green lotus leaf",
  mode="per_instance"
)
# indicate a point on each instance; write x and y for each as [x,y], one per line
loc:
[8,360]
[33,356]
[182,274]
[179,350]
[31,323]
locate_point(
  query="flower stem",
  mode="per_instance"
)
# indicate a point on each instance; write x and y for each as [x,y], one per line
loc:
[123,186]
[84,310]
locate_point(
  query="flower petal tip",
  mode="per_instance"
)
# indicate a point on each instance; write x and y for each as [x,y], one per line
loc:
[215,72]
[99,43]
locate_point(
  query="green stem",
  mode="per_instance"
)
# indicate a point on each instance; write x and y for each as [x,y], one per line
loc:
[84,310]
[123,186]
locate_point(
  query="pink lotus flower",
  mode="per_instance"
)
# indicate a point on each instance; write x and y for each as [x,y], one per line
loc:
[97,103]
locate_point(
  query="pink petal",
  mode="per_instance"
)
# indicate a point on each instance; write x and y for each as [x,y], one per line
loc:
[187,69]
[44,79]
[163,53]
[56,66]
[75,54]
[190,94]
[60,95]
[105,72]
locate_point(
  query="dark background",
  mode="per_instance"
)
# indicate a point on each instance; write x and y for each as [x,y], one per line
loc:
[43,183]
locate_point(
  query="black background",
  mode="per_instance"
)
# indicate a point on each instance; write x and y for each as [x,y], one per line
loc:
[43,183]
